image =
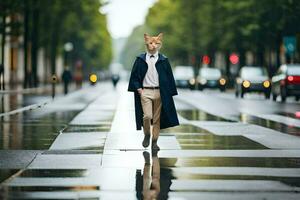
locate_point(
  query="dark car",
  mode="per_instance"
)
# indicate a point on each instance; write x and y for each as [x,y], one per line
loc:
[286,82]
[184,77]
[211,78]
[252,79]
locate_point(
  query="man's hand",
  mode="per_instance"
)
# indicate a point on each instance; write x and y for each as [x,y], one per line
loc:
[140,91]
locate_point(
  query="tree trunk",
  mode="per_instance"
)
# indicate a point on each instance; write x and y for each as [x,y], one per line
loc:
[227,63]
[26,36]
[53,52]
[34,39]
[242,59]
[260,56]
[2,83]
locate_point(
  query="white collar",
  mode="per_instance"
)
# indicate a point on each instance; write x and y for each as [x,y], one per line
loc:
[155,55]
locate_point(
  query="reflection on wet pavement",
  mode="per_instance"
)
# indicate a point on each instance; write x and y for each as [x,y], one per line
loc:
[28,131]
[153,182]
[292,181]
[5,173]
[54,173]
[193,137]
[292,130]
[23,97]
[184,129]
[200,115]
[17,191]
[192,160]
[88,128]
[230,162]
[211,141]
[28,136]
[295,115]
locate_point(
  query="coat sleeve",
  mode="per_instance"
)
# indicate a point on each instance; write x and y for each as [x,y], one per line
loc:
[171,81]
[134,81]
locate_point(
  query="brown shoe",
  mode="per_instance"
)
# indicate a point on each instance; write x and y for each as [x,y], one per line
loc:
[155,147]
[146,140]
[146,157]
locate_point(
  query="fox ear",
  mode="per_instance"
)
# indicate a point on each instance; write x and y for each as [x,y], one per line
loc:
[160,36]
[146,36]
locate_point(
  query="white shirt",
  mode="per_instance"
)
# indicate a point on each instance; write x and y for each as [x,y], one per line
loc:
[151,77]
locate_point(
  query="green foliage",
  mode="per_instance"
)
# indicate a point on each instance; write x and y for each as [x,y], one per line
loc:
[197,27]
[61,21]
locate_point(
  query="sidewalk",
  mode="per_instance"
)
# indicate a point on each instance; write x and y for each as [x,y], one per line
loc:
[99,155]
[19,100]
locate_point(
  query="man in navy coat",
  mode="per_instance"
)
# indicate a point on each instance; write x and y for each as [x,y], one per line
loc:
[154,86]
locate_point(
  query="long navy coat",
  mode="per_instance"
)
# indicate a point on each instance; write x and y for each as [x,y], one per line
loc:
[168,117]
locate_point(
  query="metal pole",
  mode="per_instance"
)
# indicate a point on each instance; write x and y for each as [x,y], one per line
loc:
[2,86]
[53,82]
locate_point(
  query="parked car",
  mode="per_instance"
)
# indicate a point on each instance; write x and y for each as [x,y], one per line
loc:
[184,77]
[286,82]
[211,78]
[252,79]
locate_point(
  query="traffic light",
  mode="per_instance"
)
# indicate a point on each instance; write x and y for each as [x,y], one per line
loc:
[206,60]
[234,58]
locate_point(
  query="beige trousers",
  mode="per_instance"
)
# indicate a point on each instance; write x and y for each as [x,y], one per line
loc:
[151,104]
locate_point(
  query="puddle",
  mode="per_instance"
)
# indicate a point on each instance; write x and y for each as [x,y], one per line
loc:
[184,129]
[28,136]
[200,115]
[210,141]
[6,173]
[61,152]
[156,177]
[295,115]
[14,189]
[270,124]
[88,128]
[230,162]
[193,137]
[54,117]
[292,181]
[54,173]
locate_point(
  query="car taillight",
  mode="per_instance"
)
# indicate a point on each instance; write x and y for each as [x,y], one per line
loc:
[290,78]
[293,79]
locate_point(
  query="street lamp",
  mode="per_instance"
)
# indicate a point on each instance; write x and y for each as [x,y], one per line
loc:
[68,47]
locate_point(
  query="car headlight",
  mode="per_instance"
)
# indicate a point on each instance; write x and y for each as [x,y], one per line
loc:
[192,81]
[203,81]
[222,81]
[266,84]
[246,84]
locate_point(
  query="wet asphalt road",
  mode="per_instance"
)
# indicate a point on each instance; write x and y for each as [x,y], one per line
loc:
[85,146]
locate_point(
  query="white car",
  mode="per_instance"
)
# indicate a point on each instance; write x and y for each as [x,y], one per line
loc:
[184,76]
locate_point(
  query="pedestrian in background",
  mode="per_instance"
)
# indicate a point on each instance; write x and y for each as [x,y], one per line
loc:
[67,78]
[153,85]
[115,79]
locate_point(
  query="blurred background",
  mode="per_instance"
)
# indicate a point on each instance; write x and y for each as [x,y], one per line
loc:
[40,38]
[229,145]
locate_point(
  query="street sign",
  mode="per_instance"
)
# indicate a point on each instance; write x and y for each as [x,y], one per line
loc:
[289,44]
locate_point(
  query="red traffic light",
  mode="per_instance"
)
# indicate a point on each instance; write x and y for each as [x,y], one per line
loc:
[206,59]
[234,58]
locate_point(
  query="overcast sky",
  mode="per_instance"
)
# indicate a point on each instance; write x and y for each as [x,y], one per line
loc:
[124,15]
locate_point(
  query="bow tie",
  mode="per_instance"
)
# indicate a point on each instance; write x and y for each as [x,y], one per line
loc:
[152,56]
